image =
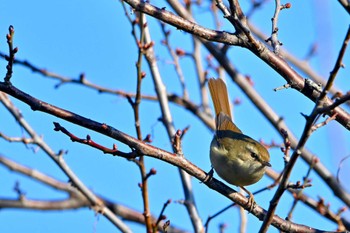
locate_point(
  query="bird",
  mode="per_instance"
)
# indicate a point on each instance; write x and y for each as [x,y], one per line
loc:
[236,158]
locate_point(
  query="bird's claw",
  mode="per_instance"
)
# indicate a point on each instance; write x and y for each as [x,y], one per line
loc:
[209,175]
[251,203]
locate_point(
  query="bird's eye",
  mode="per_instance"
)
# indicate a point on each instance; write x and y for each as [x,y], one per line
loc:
[255,156]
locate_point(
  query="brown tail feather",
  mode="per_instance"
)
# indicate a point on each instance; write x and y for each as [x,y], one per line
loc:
[219,95]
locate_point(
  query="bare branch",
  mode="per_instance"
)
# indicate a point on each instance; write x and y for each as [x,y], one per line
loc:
[58,159]
[183,24]
[308,129]
[12,52]
[143,148]
[276,62]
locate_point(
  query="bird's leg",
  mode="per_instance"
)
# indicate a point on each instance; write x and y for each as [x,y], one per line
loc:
[251,202]
[209,175]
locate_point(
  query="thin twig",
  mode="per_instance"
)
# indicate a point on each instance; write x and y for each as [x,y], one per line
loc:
[12,51]
[176,60]
[167,120]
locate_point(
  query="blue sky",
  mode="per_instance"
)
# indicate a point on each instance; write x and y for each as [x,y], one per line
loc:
[71,37]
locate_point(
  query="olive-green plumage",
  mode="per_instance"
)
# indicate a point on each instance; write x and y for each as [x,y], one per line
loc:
[236,158]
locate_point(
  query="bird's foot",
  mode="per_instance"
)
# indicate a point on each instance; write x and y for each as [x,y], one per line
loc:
[209,175]
[251,202]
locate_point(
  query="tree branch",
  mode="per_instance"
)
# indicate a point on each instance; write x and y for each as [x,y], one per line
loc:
[148,150]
